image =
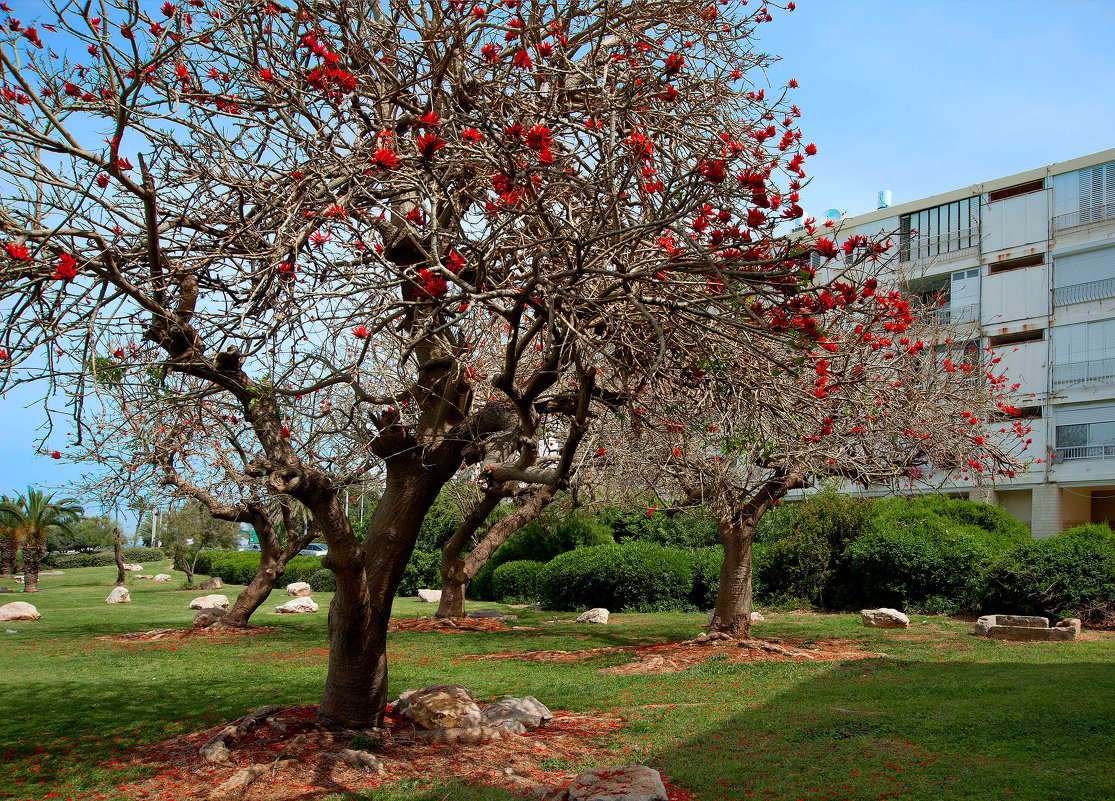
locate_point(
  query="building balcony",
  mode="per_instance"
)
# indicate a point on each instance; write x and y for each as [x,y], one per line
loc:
[1085,452]
[940,248]
[1083,293]
[1085,216]
[953,315]
[1079,374]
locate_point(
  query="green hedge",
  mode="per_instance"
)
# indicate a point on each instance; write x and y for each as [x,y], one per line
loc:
[323,581]
[633,577]
[706,577]
[69,561]
[1071,574]
[423,570]
[518,582]
[240,567]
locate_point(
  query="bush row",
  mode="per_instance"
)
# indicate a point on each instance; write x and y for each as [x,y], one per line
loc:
[64,561]
[240,567]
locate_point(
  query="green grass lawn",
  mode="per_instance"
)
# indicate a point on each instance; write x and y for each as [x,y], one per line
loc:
[943,716]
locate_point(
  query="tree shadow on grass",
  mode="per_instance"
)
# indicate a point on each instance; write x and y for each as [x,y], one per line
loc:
[911,730]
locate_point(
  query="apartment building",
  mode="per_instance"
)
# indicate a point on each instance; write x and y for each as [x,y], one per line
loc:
[1026,264]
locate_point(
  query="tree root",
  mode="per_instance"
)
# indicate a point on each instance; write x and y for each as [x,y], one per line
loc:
[216,749]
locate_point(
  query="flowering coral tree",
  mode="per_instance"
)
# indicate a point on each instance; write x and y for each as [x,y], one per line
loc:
[261,249]
[875,398]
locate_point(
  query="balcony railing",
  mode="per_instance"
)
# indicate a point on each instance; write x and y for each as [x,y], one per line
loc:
[1097,371]
[946,247]
[953,315]
[1086,215]
[1082,293]
[1086,452]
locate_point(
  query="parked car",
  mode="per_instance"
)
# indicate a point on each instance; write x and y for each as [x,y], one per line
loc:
[251,546]
[314,549]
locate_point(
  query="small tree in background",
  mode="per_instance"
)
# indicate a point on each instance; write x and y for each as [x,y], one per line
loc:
[878,398]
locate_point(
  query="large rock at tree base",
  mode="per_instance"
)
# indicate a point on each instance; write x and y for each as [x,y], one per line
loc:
[620,783]
[430,596]
[211,584]
[517,715]
[441,706]
[597,615]
[298,589]
[120,595]
[297,606]
[884,618]
[210,602]
[18,610]
[207,617]
[133,568]
[162,577]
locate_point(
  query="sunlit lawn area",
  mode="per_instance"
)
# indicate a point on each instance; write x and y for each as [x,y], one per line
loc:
[943,715]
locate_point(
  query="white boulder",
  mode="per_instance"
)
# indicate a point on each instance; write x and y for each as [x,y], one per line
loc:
[298,589]
[210,602]
[161,577]
[517,715]
[442,706]
[884,618]
[297,606]
[119,595]
[597,615]
[430,596]
[621,783]
[133,568]
[18,610]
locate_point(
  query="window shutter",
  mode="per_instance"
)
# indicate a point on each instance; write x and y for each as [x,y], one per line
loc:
[1083,268]
[1083,413]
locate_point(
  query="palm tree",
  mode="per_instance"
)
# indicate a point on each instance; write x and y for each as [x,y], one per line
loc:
[9,544]
[35,515]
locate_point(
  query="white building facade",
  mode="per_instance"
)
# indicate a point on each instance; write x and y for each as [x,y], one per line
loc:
[1026,265]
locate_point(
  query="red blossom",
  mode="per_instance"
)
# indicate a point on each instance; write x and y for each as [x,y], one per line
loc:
[385,158]
[168,9]
[360,332]
[266,76]
[826,247]
[67,268]
[521,59]
[811,149]
[429,144]
[17,252]
[539,138]
[713,171]
[429,120]
[674,63]
[472,134]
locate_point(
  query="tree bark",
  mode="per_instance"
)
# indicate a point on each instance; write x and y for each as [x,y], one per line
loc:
[732,614]
[8,549]
[32,555]
[367,577]
[116,551]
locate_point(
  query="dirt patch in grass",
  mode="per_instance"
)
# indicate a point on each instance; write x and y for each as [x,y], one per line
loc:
[678,656]
[445,624]
[190,635]
[298,759]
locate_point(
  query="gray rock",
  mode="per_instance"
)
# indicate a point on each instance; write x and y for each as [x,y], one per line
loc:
[597,615]
[207,617]
[430,596]
[297,606]
[983,624]
[298,589]
[162,577]
[517,715]
[441,706]
[119,595]
[621,783]
[133,568]
[210,602]
[18,610]
[884,618]
[214,583]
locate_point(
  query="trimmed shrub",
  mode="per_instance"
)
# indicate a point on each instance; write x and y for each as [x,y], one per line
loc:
[518,582]
[323,581]
[1071,574]
[423,570]
[138,554]
[240,567]
[636,577]
[69,561]
[679,531]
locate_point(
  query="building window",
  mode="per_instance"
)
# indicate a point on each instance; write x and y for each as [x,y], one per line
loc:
[1085,196]
[1083,277]
[948,229]
[1086,441]
[1016,190]
[1016,264]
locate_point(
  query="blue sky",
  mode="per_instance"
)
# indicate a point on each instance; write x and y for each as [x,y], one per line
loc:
[915,97]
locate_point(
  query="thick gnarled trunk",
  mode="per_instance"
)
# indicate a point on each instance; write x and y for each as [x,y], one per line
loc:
[732,614]
[367,577]
[252,597]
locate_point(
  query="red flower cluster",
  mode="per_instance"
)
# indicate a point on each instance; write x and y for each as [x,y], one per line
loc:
[67,268]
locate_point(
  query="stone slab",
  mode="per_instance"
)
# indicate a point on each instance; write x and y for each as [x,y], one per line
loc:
[1030,634]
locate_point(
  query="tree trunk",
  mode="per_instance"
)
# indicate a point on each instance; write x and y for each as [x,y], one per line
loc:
[457,573]
[116,550]
[32,555]
[252,597]
[732,614]
[8,549]
[367,577]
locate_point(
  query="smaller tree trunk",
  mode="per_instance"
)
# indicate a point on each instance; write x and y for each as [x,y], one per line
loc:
[8,549]
[32,555]
[116,549]
[732,614]
[453,587]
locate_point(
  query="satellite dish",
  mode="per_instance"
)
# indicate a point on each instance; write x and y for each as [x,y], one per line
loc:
[833,215]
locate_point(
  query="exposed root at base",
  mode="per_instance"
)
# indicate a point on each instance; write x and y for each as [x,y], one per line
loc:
[181,635]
